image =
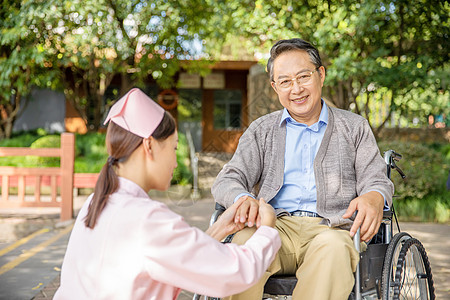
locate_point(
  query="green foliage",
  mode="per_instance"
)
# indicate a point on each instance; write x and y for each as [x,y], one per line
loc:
[90,153]
[423,194]
[24,139]
[182,174]
[445,150]
[190,105]
[368,46]
[22,60]
[80,46]
[430,209]
[90,42]
[49,141]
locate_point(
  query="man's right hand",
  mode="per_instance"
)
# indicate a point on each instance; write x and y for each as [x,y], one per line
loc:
[248,212]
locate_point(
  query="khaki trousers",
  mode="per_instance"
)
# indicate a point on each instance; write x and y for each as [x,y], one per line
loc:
[322,258]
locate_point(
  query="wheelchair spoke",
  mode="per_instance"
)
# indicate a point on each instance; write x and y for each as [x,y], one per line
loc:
[413,274]
[409,276]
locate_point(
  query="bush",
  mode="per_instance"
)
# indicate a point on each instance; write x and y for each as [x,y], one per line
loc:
[90,153]
[422,195]
[17,140]
[182,174]
[49,141]
[24,140]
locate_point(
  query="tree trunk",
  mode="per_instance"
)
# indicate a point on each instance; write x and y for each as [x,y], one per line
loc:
[125,83]
[392,108]
[85,90]
[9,113]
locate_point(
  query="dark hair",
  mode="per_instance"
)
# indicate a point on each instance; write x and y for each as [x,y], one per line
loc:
[120,144]
[289,45]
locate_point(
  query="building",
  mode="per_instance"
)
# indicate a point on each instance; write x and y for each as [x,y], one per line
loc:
[221,104]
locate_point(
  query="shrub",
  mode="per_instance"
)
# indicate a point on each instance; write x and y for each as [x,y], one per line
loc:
[90,152]
[91,155]
[422,195]
[182,174]
[49,141]
[445,150]
[17,140]
[24,140]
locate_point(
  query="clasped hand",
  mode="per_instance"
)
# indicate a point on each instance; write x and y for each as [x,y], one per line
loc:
[244,210]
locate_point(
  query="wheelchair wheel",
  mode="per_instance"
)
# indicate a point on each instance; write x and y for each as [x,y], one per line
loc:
[406,270]
[390,264]
[413,279]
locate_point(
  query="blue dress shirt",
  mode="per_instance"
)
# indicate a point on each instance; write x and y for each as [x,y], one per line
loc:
[302,143]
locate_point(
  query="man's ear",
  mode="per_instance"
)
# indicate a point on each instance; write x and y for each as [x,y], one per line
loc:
[322,75]
[274,87]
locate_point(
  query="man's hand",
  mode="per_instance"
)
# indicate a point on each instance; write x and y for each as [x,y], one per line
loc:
[247,212]
[225,224]
[370,213]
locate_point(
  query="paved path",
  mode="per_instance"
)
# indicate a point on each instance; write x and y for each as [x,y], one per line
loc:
[27,268]
[436,240]
[35,271]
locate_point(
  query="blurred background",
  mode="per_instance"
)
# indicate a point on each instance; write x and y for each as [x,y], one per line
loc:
[64,63]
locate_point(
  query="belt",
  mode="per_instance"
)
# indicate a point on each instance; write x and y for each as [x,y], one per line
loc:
[304,213]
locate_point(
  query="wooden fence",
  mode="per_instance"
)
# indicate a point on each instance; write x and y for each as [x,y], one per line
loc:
[62,177]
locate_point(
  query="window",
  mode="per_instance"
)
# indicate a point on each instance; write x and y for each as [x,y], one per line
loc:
[227,109]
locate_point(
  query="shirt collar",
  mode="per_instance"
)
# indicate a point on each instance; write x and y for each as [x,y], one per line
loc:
[132,188]
[323,118]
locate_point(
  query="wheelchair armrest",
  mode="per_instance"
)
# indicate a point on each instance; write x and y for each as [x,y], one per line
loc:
[219,207]
[387,215]
[219,210]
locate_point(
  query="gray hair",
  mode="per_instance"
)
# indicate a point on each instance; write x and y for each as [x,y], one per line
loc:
[289,45]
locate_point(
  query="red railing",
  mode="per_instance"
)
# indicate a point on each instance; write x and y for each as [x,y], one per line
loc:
[37,177]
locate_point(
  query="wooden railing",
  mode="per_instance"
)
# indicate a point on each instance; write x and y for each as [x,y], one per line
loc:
[62,176]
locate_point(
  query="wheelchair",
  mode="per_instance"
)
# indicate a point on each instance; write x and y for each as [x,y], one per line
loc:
[392,267]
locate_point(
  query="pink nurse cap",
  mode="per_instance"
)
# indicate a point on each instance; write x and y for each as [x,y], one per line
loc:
[137,113]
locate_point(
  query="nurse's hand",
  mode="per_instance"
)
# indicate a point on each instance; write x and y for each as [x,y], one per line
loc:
[266,214]
[225,224]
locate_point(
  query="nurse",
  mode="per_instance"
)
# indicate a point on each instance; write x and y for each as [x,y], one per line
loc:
[125,245]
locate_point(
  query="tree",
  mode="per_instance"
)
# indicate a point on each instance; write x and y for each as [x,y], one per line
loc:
[92,41]
[368,48]
[21,64]
[365,46]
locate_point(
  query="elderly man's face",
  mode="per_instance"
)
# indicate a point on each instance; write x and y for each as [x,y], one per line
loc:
[299,85]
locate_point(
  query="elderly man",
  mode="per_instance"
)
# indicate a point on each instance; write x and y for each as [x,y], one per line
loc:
[317,166]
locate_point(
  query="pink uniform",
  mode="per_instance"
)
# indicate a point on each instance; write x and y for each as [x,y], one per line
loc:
[140,249]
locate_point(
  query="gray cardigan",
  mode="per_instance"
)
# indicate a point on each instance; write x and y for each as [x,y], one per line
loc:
[348,163]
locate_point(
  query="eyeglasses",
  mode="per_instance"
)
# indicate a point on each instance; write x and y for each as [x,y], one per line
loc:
[301,79]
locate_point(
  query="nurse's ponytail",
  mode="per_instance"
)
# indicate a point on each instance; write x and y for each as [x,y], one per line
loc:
[120,144]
